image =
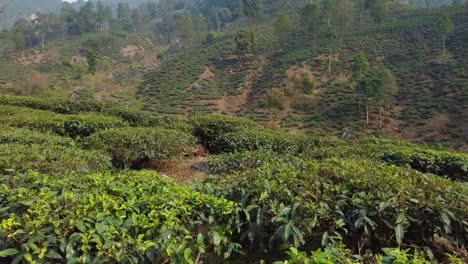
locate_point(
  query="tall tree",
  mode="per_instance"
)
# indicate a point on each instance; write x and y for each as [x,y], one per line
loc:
[369,88]
[283,26]
[445,27]
[69,17]
[87,17]
[332,40]
[42,27]
[360,68]
[389,90]
[245,41]
[67,67]
[92,65]
[253,9]
[343,14]
[103,17]
[185,30]
[378,9]
[310,19]
[124,16]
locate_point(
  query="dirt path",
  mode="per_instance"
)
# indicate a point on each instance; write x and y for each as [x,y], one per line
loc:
[183,170]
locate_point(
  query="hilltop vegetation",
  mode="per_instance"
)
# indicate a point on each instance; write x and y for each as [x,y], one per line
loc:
[68,193]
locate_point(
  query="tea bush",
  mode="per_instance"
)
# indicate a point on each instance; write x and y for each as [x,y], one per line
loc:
[451,165]
[131,217]
[87,124]
[81,125]
[132,146]
[10,135]
[53,104]
[211,129]
[361,203]
[55,159]
[132,117]
[276,141]
[342,255]
[239,161]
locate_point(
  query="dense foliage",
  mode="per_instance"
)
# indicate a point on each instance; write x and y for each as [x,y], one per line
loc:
[64,199]
[119,218]
[133,146]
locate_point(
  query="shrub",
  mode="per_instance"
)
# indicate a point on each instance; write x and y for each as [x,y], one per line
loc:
[357,202]
[85,125]
[276,141]
[240,161]
[53,159]
[55,105]
[451,165]
[67,125]
[210,129]
[11,135]
[132,217]
[132,146]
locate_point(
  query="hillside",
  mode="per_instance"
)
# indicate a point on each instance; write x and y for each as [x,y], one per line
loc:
[429,107]
[210,77]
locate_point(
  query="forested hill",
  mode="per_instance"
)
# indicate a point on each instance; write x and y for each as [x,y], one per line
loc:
[368,67]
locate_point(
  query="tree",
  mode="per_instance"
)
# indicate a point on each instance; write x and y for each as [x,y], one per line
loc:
[378,9]
[310,19]
[92,65]
[87,17]
[245,41]
[124,16]
[42,27]
[69,17]
[389,88]
[68,66]
[327,10]
[369,88]
[200,26]
[283,26]
[445,27]
[253,9]
[332,37]
[137,19]
[103,17]
[343,13]
[185,29]
[360,68]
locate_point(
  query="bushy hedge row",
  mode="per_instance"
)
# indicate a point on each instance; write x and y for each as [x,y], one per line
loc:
[67,125]
[276,141]
[53,104]
[361,203]
[451,165]
[12,135]
[55,159]
[211,129]
[131,117]
[132,146]
[241,161]
[339,254]
[133,217]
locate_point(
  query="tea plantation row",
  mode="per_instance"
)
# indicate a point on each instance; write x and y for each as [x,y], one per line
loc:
[68,194]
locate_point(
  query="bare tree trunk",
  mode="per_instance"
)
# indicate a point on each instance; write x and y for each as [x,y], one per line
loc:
[380,115]
[329,62]
[341,39]
[443,46]
[367,114]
